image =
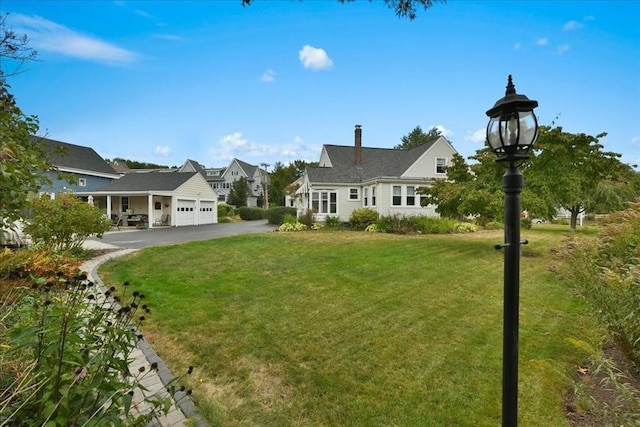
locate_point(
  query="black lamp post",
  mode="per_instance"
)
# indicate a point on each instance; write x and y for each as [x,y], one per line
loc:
[511,132]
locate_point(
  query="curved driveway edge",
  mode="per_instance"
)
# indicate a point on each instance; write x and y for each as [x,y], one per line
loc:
[183,412]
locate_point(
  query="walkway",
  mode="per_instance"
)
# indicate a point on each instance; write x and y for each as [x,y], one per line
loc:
[183,412]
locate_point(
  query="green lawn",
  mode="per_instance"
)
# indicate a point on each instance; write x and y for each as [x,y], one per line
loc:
[354,328]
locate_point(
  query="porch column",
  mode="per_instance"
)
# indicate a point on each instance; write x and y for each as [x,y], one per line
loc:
[150,210]
[108,206]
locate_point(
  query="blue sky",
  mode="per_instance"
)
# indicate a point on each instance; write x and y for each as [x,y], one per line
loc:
[166,81]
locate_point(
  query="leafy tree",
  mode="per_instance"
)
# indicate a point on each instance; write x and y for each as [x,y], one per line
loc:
[282,176]
[573,172]
[65,222]
[134,164]
[23,161]
[403,8]
[14,49]
[468,190]
[417,137]
[239,192]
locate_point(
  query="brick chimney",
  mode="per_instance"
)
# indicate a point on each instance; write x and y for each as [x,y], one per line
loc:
[358,150]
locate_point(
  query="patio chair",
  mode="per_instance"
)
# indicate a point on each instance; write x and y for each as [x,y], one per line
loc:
[165,219]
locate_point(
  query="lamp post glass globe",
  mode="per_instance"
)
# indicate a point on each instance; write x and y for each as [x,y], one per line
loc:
[513,127]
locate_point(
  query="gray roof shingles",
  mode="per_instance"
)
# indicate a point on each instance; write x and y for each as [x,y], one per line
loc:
[376,163]
[152,181]
[75,157]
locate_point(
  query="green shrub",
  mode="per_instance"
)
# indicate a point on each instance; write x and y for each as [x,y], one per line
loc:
[317,226]
[396,224]
[289,219]
[276,214]
[494,225]
[251,214]
[363,217]
[64,223]
[526,223]
[606,271]
[307,218]
[66,358]
[332,221]
[435,225]
[465,227]
[225,210]
[295,226]
[223,220]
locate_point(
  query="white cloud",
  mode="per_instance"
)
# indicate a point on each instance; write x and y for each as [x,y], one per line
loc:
[572,25]
[542,41]
[447,133]
[476,136]
[163,150]
[563,48]
[235,145]
[635,140]
[315,58]
[268,76]
[48,36]
[169,37]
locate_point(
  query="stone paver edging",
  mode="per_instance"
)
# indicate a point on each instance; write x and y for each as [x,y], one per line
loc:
[183,412]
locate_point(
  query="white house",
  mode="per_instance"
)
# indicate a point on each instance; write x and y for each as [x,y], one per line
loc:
[382,179]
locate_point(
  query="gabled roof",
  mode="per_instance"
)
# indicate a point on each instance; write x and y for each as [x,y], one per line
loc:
[75,158]
[376,163]
[192,166]
[151,181]
[248,169]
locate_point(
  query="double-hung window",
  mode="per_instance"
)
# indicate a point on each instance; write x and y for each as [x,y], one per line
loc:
[397,195]
[441,165]
[411,195]
[373,196]
[353,194]
[125,203]
[366,197]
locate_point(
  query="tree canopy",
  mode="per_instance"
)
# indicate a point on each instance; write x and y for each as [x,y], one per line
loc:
[282,176]
[239,193]
[23,161]
[417,137]
[566,170]
[403,8]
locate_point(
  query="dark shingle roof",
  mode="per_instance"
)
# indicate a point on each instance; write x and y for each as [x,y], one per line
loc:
[376,163]
[151,181]
[250,170]
[74,157]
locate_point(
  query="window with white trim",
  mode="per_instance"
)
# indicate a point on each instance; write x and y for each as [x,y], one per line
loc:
[441,165]
[124,204]
[373,196]
[411,195]
[397,196]
[324,202]
[366,197]
[82,182]
[354,194]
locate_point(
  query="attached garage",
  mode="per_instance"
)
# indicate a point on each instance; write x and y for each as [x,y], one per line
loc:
[208,212]
[185,212]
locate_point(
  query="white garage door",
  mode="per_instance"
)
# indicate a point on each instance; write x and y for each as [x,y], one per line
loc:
[186,214]
[207,212]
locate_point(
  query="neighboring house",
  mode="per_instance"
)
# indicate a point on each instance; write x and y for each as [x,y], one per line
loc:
[172,198]
[222,179]
[85,168]
[382,179]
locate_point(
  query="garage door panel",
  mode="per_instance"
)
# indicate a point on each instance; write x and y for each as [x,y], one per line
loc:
[207,212]
[186,212]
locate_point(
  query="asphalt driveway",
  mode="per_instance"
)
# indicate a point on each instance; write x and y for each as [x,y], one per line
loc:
[137,239]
